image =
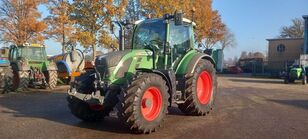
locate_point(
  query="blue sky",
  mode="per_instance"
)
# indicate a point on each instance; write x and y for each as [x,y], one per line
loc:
[254,21]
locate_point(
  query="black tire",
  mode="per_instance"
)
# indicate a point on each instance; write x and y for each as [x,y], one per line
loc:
[286,81]
[131,105]
[7,79]
[20,80]
[291,81]
[82,109]
[51,78]
[304,79]
[192,104]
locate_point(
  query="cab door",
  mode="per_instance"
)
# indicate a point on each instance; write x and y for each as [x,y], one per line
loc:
[180,41]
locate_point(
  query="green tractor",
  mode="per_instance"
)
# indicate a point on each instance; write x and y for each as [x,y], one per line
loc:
[298,71]
[162,68]
[31,67]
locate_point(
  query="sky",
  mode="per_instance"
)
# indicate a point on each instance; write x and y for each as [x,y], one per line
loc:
[254,21]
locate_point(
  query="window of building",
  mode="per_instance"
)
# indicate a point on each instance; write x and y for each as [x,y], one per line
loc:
[281,48]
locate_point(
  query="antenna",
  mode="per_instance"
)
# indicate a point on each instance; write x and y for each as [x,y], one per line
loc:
[193,10]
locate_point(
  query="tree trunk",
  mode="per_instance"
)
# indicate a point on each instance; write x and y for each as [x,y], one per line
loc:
[94,52]
[63,39]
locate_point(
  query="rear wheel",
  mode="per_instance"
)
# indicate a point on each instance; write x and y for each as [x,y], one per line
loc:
[51,78]
[145,103]
[20,80]
[200,89]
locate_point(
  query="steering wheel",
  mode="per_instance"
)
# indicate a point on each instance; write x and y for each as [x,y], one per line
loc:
[154,44]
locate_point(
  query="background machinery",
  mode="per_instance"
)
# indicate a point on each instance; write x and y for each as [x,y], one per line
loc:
[298,71]
[163,67]
[31,67]
[6,73]
[69,64]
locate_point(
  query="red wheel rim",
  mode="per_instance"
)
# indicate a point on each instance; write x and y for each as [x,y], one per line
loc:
[96,107]
[151,103]
[204,87]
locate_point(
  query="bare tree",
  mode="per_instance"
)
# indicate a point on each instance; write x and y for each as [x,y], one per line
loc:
[244,55]
[228,40]
[296,30]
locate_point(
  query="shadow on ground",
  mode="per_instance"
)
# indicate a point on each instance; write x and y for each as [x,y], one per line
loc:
[53,107]
[296,103]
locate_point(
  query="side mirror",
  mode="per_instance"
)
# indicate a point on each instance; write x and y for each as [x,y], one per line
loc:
[178,18]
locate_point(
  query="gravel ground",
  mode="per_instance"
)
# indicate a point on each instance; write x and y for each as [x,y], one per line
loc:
[245,108]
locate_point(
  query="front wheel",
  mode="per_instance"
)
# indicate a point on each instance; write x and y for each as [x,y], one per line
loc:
[145,103]
[200,89]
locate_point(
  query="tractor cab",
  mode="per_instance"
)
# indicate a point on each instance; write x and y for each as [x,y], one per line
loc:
[30,52]
[167,38]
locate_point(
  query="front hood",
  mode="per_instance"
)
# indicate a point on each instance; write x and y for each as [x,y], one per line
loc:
[111,59]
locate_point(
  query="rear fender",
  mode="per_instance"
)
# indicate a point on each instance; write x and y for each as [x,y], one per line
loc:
[189,62]
[194,61]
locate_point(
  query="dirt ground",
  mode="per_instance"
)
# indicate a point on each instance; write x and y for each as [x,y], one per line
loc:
[245,108]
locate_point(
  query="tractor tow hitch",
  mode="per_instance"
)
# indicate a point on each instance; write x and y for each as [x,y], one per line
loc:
[93,98]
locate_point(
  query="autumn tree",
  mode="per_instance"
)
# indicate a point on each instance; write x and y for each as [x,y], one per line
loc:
[215,32]
[93,19]
[60,26]
[133,10]
[19,21]
[296,30]
[228,39]
[210,28]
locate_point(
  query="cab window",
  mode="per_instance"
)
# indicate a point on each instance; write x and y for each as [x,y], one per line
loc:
[180,38]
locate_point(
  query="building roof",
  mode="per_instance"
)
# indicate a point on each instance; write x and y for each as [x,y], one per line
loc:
[282,39]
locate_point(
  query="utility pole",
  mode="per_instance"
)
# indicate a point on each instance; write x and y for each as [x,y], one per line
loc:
[306,34]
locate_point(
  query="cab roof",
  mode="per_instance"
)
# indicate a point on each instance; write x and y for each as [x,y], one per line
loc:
[32,45]
[184,20]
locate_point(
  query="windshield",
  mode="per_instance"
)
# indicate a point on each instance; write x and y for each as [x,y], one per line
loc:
[149,31]
[33,53]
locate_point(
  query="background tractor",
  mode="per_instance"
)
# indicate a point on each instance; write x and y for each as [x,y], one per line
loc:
[162,68]
[298,71]
[6,73]
[31,67]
